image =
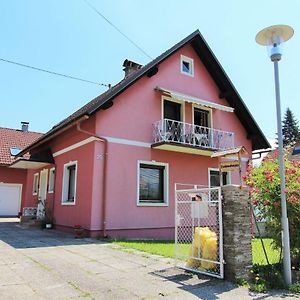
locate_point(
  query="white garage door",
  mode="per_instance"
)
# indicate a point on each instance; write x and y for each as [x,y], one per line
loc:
[10,199]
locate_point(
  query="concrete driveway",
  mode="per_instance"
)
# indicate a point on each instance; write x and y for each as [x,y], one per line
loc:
[47,264]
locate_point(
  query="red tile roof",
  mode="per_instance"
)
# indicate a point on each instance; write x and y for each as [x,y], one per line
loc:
[14,138]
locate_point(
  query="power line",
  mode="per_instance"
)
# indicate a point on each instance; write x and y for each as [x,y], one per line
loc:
[119,30]
[53,73]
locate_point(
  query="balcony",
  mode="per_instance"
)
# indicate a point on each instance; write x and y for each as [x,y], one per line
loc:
[188,138]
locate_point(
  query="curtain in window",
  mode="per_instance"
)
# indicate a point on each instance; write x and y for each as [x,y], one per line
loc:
[151,183]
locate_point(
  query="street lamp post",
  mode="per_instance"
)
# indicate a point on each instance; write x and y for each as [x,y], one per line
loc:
[273,37]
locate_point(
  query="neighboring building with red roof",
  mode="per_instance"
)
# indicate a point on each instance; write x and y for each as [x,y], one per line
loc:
[13,181]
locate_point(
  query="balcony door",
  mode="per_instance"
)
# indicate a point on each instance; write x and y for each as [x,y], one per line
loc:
[172,126]
[201,132]
[201,117]
[172,110]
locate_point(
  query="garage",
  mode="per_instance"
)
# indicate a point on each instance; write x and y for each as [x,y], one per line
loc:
[10,199]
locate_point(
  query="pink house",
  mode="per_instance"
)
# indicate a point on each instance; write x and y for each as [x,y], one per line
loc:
[13,181]
[111,166]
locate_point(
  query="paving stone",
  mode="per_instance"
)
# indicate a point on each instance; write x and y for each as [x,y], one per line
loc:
[41,264]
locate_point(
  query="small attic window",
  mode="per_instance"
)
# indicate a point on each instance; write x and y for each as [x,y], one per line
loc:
[296,150]
[187,65]
[15,151]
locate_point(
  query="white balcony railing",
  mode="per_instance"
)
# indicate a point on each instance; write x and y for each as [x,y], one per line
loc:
[168,131]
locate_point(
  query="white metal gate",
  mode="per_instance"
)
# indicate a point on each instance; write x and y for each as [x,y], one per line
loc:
[198,229]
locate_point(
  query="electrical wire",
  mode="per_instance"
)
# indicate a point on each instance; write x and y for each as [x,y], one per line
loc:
[119,30]
[53,73]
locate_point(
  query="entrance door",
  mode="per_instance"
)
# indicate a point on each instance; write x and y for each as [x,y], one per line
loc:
[42,194]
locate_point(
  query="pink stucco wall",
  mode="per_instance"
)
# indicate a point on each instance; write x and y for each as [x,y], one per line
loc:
[130,120]
[143,104]
[80,213]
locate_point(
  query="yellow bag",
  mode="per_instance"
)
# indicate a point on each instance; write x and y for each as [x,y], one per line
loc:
[204,245]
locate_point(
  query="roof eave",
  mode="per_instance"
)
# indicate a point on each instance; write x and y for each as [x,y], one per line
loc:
[46,137]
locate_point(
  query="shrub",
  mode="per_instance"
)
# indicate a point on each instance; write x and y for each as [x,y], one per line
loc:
[295,288]
[264,183]
[266,277]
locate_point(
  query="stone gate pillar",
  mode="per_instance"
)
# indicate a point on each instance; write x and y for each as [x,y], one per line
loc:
[236,232]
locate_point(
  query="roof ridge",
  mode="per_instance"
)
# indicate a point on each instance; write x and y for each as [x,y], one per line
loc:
[20,130]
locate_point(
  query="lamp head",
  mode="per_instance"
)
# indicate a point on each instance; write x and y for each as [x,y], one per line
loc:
[273,37]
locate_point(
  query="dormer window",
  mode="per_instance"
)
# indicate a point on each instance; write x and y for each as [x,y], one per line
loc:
[187,65]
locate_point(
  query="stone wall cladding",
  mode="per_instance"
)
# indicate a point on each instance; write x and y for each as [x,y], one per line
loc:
[236,232]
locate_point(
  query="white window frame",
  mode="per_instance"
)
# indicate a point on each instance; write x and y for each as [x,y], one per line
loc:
[35,187]
[182,103]
[216,169]
[209,185]
[51,180]
[64,193]
[190,61]
[166,183]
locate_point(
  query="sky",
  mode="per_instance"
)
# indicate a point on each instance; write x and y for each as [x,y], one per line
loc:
[67,36]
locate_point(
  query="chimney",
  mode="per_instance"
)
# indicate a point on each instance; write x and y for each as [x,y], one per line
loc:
[130,67]
[25,126]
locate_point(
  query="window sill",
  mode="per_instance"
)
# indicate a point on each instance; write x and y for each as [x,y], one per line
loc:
[34,194]
[68,203]
[50,192]
[153,204]
[188,74]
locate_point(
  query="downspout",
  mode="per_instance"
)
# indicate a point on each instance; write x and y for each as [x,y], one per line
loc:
[53,195]
[104,180]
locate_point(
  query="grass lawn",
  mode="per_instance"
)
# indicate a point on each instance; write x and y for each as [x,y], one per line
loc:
[258,256]
[167,249]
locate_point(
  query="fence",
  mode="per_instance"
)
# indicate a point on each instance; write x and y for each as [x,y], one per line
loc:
[198,229]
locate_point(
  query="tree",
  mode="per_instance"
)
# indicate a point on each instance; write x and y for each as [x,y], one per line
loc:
[264,183]
[290,129]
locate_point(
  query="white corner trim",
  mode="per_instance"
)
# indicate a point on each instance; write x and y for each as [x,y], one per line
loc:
[76,145]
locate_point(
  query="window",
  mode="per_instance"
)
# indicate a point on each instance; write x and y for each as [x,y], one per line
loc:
[296,150]
[69,183]
[201,117]
[51,180]
[172,110]
[187,65]
[35,184]
[14,151]
[214,178]
[152,184]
